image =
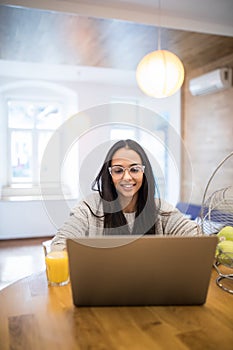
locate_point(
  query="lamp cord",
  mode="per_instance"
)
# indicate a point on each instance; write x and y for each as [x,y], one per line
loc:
[159,25]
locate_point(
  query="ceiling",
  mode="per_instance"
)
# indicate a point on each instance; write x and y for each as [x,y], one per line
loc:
[207,16]
[66,37]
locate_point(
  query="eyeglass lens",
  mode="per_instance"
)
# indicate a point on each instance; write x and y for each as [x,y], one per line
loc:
[118,171]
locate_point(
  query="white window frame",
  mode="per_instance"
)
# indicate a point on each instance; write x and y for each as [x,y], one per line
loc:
[34,132]
[28,90]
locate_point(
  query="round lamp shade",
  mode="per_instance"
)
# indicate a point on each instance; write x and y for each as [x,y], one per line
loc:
[160,74]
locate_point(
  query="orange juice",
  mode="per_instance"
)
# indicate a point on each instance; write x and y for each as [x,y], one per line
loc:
[57,268]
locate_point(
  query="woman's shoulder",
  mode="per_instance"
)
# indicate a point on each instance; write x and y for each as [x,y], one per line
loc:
[92,201]
[164,205]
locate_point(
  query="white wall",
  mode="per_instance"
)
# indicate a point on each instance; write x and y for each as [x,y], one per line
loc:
[29,218]
[23,219]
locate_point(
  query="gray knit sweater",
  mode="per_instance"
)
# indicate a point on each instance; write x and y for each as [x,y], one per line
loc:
[83,223]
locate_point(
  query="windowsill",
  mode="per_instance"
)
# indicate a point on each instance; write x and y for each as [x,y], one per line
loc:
[20,198]
[35,198]
[17,193]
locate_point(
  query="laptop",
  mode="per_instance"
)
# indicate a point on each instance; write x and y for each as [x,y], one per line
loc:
[140,270]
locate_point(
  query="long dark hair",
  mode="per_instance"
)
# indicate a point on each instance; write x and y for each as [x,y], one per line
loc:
[146,210]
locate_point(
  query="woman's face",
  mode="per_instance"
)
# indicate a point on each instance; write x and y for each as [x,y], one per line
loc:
[127,184]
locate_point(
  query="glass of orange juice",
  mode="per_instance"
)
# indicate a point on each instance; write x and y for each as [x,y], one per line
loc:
[57,267]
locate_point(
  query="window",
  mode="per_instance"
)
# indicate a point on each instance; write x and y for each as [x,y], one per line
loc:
[30,126]
[158,159]
[156,142]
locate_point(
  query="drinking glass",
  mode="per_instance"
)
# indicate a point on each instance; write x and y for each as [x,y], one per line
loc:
[57,267]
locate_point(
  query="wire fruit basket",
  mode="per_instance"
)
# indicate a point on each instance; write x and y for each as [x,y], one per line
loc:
[216,214]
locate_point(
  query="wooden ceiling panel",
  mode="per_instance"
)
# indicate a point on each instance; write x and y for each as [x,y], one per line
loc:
[31,35]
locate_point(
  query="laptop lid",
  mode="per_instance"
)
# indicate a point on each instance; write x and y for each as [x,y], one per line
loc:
[147,270]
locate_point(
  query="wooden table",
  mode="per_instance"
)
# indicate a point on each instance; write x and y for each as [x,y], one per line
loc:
[34,316]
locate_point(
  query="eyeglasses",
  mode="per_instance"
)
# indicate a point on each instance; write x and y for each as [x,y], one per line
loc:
[118,171]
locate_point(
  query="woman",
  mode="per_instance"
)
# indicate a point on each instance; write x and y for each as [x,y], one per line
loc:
[124,201]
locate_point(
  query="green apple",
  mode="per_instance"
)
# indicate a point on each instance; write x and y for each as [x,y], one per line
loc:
[224,253]
[226,233]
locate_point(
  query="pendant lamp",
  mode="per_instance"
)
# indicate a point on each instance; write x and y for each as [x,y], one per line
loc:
[160,73]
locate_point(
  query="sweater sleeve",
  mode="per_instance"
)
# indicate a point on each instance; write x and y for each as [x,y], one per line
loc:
[175,223]
[81,222]
[77,225]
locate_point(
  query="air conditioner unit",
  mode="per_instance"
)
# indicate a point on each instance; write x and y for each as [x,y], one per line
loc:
[214,81]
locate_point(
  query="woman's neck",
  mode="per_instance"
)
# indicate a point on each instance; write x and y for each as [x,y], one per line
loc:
[128,205]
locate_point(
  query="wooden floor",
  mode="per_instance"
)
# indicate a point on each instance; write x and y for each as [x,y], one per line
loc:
[20,258]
